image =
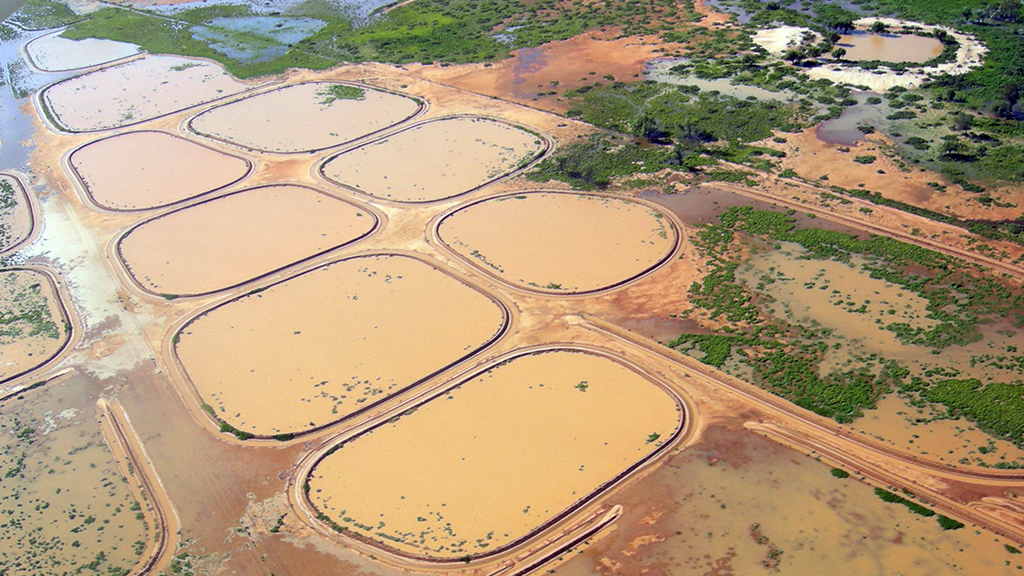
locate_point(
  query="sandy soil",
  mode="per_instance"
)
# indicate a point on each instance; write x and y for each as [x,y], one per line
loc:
[567,243]
[34,324]
[52,53]
[303,118]
[439,159]
[145,170]
[135,92]
[225,242]
[556,425]
[324,345]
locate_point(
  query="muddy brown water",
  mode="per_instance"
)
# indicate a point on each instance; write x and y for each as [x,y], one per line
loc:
[303,117]
[496,457]
[560,242]
[435,160]
[52,53]
[63,504]
[725,505]
[913,429]
[136,91]
[235,238]
[332,342]
[703,204]
[889,47]
[35,327]
[145,170]
[15,215]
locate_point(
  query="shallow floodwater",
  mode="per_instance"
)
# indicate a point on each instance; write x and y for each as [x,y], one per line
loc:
[843,130]
[255,38]
[34,325]
[136,91]
[560,242]
[483,465]
[144,170]
[304,117]
[890,47]
[15,213]
[332,342]
[836,296]
[52,53]
[63,505]
[435,160]
[957,441]
[740,504]
[235,238]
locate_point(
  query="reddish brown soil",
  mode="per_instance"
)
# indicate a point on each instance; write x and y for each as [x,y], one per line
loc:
[571,63]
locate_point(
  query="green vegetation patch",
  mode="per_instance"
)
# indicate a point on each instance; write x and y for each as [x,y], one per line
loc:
[341,92]
[785,358]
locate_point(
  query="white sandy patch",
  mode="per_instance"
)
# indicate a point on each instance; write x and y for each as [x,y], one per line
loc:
[777,41]
[970,55]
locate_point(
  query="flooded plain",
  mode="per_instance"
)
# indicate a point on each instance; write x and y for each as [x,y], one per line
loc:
[304,117]
[736,503]
[492,459]
[560,242]
[64,507]
[134,92]
[890,47]
[148,169]
[439,159]
[52,53]
[15,213]
[33,326]
[235,238]
[334,341]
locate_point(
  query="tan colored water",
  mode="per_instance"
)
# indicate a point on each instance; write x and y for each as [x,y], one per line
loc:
[889,47]
[952,441]
[144,170]
[836,296]
[723,506]
[15,213]
[233,239]
[52,53]
[136,91]
[63,505]
[490,461]
[331,342]
[32,324]
[560,242]
[302,117]
[435,160]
